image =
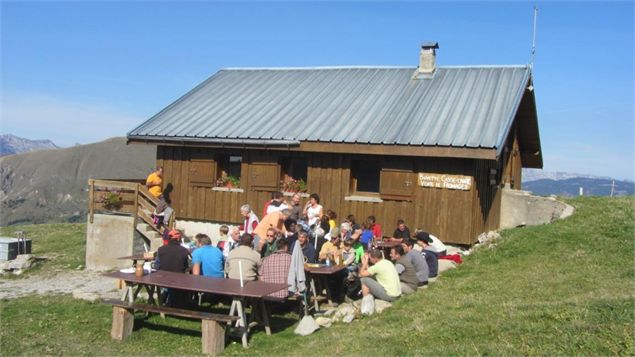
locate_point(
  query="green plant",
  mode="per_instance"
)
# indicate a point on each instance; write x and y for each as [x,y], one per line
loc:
[235,181]
[112,200]
[293,185]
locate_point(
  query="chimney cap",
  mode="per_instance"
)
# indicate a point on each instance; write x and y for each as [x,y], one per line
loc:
[428,45]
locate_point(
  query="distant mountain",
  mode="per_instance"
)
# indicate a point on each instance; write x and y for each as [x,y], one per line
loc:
[571,187]
[50,185]
[537,174]
[11,144]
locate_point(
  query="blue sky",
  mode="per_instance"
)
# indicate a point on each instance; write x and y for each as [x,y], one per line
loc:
[80,72]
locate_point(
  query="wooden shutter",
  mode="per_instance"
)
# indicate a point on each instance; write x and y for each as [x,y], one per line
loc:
[396,184]
[202,172]
[264,176]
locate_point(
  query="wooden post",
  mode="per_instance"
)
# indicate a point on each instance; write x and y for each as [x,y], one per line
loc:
[135,210]
[213,337]
[122,323]
[91,199]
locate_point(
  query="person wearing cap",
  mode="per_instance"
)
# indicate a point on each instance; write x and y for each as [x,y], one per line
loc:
[424,240]
[173,257]
[332,248]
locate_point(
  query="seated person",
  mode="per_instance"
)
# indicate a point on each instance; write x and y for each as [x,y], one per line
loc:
[356,235]
[331,249]
[310,256]
[232,242]
[270,244]
[375,227]
[367,236]
[380,280]
[346,229]
[348,255]
[418,261]
[423,240]
[223,235]
[402,232]
[437,246]
[207,260]
[173,257]
[249,260]
[407,274]
[291,225]
[275,267]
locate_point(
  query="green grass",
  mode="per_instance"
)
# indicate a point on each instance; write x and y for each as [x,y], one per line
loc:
[63,246]
[566,288]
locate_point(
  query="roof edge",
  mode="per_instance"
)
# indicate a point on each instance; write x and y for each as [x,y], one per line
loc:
[313,68]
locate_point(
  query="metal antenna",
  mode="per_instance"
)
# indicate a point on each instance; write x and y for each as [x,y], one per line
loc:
[533,40]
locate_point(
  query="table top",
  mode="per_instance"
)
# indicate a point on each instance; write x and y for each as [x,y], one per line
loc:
[323,269]
[136,257]
[386,244]
[205,284]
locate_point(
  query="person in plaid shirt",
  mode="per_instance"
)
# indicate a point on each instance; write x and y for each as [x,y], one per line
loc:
[275,267]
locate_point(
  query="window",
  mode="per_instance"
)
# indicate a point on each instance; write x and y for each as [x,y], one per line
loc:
[229,165]
[365,176]
[293,174]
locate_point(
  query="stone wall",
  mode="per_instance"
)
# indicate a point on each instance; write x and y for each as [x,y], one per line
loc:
[107,238]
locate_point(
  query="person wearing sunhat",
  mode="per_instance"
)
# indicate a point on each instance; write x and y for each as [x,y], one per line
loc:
[172,256]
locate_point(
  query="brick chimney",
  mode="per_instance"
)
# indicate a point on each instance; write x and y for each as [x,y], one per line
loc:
[427,58]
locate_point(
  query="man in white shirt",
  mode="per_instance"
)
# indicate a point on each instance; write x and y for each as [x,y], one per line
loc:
[232,242]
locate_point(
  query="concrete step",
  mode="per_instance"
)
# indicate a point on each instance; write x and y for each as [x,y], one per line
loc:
[155,244]
[144,227]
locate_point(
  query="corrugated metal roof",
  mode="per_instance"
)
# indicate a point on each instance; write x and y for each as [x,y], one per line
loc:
[458,107]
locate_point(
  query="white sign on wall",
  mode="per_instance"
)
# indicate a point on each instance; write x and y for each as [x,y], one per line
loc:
[450,182]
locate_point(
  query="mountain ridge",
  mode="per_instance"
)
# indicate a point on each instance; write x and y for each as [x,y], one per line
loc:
[11,145]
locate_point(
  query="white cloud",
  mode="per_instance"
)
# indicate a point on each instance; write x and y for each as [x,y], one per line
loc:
[65,122]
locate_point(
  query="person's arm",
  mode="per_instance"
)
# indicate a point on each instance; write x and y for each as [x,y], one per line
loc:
[400,268]
[324,251]
[196,269]
[350,259]
[363,271]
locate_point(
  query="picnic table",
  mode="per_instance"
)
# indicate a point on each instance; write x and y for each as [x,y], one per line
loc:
[256,290]
[321,271]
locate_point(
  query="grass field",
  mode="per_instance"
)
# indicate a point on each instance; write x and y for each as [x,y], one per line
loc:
[566,288]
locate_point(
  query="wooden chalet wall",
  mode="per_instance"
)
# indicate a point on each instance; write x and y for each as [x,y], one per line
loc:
[455,216]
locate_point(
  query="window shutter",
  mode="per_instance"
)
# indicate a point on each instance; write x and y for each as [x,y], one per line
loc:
[395,184]
[264,176]
[202,172]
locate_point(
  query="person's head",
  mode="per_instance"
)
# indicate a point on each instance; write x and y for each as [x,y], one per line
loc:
[290,224]
[245,210]
[331,214]
[401,225]
[202,239]
[295,199]
[278,196]
[314,199]
[159,171]
[345,228]
[271,235]
[371,220]
[348,244]
[407,245]
[423,238]
[175,236]
[303,238]
[284,214]
[234,233]
[396,252]
[283,244]
[375,256]
[224,230]
[350,219]
[246,239]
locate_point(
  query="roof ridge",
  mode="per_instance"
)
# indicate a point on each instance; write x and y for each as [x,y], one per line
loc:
[310,68]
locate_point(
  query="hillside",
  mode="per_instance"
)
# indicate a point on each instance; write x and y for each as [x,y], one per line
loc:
[50,186]
[11,144]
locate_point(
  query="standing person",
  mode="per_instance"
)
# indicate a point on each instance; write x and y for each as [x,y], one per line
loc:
[154,182]
[232,242]
[380,280]
[332,218]
[244,257]
[401,232]
[407,274]
[418,260]
[207,260]
[273,220]
[313,210]
[423,239]
[276,203]
[296,208]
[275,267]
[250,219]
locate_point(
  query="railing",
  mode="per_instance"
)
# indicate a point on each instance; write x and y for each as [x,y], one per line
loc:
[130,198]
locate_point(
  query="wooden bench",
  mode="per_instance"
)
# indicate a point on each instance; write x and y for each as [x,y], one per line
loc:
[213,333]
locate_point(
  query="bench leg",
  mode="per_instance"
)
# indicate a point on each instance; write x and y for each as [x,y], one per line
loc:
[243,321]
[122,323]
[213,337]
[265,316]
[315,295]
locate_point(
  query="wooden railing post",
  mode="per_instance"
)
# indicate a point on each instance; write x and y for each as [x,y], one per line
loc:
[91,199]
[136,206]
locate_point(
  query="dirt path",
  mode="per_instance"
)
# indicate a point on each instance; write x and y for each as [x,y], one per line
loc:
[79,283]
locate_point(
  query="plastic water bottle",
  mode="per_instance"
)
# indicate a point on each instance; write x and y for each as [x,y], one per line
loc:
[328,262]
